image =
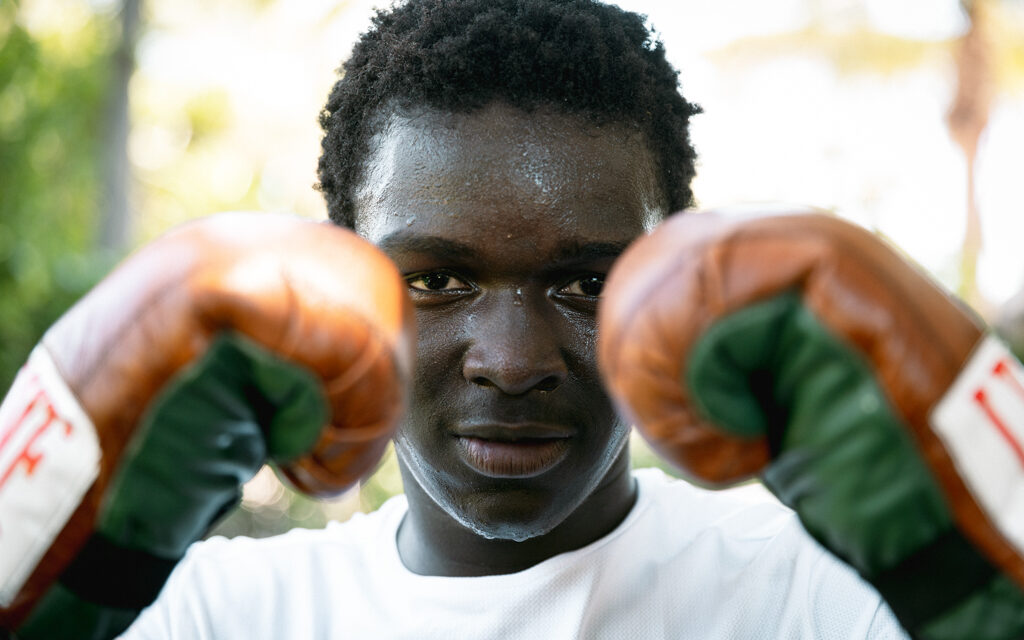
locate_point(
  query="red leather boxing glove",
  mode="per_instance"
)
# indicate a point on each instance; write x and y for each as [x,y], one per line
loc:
[229,341]
[803,348]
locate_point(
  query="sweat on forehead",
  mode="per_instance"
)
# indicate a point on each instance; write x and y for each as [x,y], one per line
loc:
[582,57]
[501,162]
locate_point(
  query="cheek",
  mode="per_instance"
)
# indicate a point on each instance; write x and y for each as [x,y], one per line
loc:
[438,365]
[596,404]
[581,345]
[441,331]
[600,405]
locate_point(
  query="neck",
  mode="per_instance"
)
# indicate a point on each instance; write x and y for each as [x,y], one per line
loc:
[431,542]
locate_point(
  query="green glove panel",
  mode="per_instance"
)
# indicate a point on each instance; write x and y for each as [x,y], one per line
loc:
[843,460]
[995,613]
[69,616]
[210,431]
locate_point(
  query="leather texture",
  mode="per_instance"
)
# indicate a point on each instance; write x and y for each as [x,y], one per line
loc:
[311,293]
[696,268]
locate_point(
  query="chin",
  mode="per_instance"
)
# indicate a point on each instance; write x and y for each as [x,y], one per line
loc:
[505,532]
[505,529]
[511,515]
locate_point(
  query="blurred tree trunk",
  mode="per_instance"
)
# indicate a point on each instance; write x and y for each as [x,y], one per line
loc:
[968,116]
[115,222]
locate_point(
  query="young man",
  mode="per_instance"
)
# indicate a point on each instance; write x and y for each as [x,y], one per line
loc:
[502,153]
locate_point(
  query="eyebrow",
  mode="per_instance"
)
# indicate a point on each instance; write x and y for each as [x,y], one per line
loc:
[565,252]
[578,251]
[410,242]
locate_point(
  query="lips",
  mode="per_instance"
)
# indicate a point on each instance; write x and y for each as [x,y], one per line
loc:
[512,450]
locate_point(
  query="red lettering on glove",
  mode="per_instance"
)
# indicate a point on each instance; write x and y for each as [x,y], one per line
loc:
[31,459]
[1002,371]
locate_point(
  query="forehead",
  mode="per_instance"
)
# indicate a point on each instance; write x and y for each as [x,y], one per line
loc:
[502,173]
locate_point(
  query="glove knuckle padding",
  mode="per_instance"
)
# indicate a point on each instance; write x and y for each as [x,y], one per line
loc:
[804,343]
[297,315]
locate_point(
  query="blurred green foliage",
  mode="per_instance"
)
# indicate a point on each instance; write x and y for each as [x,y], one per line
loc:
[52,88]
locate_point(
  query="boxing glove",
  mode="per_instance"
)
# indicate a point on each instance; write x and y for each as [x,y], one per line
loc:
[803,348]
[228,342]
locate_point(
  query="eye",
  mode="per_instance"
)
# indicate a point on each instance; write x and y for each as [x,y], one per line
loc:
[589,286]
[435,281]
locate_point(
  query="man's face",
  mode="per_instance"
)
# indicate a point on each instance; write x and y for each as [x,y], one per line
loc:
[504,224]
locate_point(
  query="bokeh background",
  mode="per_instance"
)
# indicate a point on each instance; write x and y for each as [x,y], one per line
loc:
[122,118]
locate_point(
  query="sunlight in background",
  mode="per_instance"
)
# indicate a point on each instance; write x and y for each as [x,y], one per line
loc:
[871,144]
[839,104]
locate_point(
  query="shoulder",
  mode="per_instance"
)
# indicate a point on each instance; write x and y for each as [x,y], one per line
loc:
[281,580]
[298,550]
[339,540]
[760,573]
[748,512]
[741,529]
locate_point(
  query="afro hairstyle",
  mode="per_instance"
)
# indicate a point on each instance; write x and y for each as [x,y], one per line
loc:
[579,57]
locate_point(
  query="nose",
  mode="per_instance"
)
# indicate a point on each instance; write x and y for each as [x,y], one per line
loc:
[514,344]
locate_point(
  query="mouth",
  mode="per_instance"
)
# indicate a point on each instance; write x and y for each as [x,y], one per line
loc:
[514,450]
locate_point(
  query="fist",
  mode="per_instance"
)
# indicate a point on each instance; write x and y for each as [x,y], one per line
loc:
[804,349]
[228,342]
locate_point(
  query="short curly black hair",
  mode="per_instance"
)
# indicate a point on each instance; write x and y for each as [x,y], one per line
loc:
[578,56]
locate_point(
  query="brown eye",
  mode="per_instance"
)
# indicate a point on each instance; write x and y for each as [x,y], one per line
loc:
[435,281]
[589,286]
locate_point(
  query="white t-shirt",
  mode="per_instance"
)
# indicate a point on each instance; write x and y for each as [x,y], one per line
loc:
[685,563]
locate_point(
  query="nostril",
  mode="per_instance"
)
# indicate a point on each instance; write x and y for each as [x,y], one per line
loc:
[545,384]
[549,383]
[482,381]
